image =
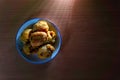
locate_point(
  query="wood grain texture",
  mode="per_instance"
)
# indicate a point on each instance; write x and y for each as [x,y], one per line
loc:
[91,39]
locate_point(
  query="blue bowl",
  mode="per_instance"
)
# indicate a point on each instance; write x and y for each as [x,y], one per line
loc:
[34,58]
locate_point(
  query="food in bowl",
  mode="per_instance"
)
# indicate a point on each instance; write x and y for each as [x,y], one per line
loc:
[38,39]
[45,51]
[25,35]
[41,26]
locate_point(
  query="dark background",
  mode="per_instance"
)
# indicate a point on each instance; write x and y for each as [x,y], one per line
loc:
[91,39]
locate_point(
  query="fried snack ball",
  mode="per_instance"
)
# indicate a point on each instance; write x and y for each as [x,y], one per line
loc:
[45,51]
[41,26]
[25,35]
[51,36]
[37,38]
[50,47]
[26,49]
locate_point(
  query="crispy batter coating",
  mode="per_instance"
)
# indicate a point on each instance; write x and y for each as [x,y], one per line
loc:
[25,35]
[51,36]
[41,26]
[26,49]
[50,47]
[45,51]
[38,38]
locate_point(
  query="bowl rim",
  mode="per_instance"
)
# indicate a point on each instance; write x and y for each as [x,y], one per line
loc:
[30,22]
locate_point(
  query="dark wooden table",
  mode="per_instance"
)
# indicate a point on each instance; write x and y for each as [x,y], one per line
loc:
[91,39]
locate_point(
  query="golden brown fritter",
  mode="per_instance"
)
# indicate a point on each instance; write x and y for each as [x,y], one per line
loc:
[45,51]
[50,47]
[38,38]
[51,36]
[41,26]
[26,49]
[25,35]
